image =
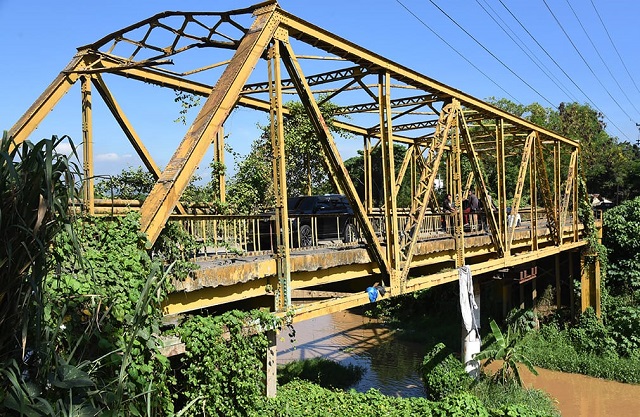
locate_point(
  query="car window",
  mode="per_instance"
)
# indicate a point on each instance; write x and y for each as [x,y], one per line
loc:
[305,205]
[292,202]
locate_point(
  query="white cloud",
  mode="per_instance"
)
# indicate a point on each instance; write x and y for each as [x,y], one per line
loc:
[64,148]
[112,157]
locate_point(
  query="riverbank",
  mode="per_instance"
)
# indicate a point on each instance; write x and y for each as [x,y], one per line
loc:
[391,366]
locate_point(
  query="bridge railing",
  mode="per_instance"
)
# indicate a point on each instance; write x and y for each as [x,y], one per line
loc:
[232,235]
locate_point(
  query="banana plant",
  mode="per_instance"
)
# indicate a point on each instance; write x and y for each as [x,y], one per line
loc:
[505,348]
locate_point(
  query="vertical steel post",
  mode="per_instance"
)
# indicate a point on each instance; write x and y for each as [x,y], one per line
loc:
[576,178]
[368,194]
[389,179]
[219,159]
[557,188]
[456,152]
[502,187]
[282,252]
[533,189]
[87,144]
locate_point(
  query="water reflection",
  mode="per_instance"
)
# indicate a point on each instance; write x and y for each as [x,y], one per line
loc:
[391,366]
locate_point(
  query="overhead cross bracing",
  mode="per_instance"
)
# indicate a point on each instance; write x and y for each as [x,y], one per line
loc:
[253,57]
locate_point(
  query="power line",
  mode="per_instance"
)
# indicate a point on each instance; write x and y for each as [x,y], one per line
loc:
[522,47]
[587,64]
[557,65]
[456,51]
[491,53]
[614,46]
[600,56]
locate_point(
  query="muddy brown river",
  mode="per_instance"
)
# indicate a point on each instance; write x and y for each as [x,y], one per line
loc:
[391,366]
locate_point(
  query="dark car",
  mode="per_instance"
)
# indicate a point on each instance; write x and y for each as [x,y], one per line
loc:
[325,217]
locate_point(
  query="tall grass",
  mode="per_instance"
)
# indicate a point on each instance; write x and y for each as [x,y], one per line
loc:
[36,186]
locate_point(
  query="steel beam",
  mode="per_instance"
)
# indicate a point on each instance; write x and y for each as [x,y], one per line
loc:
[87,144]
[389,181]
[48,99]
[175,178]
[336,167]
[283,244]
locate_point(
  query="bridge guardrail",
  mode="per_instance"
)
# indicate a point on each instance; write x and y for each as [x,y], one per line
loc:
[226,235]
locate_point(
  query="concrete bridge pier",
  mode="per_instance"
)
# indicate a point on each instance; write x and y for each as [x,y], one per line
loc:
[271,365]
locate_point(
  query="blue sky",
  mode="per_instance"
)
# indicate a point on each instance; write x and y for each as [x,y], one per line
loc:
[39,38]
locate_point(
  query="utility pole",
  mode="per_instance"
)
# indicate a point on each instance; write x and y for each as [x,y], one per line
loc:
[638,140]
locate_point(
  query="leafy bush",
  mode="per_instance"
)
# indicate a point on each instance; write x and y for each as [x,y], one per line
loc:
[623,322]
[223,364]
[522,321]
[107,302]
[590,336]
[324,372]
[460,405]
[622,227]
[304,399]
[443,374]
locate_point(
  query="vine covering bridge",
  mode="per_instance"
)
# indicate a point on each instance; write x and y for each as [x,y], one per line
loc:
[451,142]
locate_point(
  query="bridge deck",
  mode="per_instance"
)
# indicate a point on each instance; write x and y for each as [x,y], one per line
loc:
[335,277]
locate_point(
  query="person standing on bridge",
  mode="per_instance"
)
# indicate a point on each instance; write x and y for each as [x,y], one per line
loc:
[449,209]
[474,205]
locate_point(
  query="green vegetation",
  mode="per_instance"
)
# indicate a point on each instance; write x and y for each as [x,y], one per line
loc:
[506,348]
[222,369]
[81,333]
[443,374]
[608,347]
[556,349]
[512,400]
[324,372]
[305,399]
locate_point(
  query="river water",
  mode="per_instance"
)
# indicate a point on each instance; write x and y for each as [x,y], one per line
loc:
[391,366]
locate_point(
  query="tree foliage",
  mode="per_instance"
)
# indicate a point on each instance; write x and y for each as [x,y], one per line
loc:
[610,167]
[355,166]
[251,188]
[621,232]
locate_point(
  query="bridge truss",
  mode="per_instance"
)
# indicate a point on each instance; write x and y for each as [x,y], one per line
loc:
[251,57]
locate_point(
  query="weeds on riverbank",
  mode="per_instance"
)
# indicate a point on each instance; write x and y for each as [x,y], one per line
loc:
[553,348]
[321,371]
[304,399]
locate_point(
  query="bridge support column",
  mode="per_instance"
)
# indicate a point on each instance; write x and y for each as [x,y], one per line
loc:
[271,365]
[590,280]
